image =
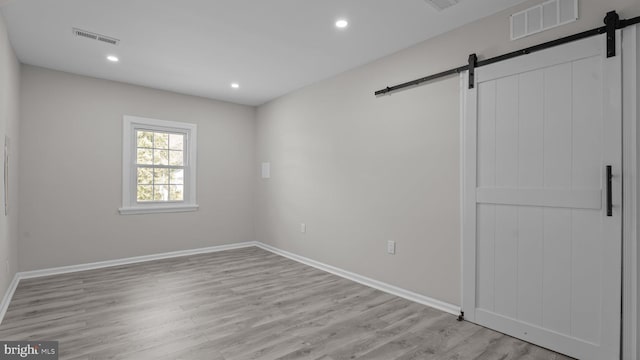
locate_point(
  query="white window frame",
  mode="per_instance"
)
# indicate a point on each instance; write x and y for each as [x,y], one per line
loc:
[130,205]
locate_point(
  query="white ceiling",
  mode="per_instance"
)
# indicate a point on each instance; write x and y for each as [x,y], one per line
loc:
[199,47]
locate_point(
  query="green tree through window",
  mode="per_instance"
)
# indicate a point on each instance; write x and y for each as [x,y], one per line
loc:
[160,159]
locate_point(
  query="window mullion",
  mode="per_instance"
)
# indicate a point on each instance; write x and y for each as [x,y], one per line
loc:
[177,167]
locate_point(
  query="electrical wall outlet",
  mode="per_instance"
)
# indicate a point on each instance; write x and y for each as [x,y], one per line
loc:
[303,228]
[391,247]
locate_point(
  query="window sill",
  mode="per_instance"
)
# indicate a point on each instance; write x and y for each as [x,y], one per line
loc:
[137,210]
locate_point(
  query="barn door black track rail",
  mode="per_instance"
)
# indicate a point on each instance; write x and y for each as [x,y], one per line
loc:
[612,23]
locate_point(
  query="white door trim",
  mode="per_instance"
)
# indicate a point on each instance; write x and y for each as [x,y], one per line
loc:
[468,188]
[464,84]
[630,41]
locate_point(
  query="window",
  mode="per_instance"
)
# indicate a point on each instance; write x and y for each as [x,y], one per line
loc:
[159,166]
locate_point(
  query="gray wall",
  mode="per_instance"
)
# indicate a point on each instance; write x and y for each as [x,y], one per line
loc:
[637,344]
[360,170]
[9,90]
[71,171]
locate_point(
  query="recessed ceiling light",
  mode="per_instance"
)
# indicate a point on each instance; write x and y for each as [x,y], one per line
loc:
[235,85]
[342,23]
[113,58]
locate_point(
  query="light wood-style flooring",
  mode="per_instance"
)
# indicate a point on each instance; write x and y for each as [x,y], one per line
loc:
[240,304]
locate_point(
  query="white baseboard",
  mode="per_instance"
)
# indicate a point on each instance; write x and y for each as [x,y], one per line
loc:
[394,290]
[4,305]
[131,260]
[391,289]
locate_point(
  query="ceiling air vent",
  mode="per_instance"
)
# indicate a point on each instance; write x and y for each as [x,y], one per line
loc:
[547,15]
[442,4]
[94,36]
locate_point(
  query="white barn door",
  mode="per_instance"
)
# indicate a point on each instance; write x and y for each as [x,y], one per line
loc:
[541,255]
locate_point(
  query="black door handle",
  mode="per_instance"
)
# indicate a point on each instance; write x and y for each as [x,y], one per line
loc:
[609,200]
